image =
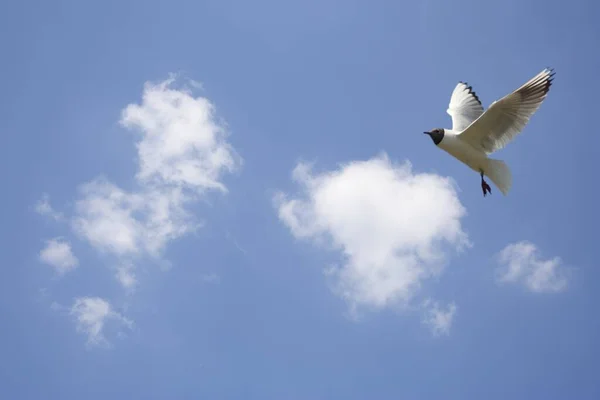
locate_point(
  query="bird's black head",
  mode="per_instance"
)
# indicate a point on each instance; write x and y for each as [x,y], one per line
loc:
[436,135]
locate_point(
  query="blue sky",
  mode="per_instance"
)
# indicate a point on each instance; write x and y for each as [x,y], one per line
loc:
[158,245]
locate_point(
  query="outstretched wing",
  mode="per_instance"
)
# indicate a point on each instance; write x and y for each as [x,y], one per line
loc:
[464,107]
[507,117]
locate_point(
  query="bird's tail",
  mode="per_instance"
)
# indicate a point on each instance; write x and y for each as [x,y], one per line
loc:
[499,173]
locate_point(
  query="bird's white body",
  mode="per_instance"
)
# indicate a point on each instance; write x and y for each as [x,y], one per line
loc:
[463,151]
[476,133]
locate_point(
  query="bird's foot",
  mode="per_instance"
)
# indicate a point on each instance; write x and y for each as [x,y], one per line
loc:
[485,187]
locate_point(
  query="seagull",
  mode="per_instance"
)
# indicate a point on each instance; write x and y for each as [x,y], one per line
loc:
[476,133]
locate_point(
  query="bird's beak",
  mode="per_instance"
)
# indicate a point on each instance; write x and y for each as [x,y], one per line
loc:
[427,133]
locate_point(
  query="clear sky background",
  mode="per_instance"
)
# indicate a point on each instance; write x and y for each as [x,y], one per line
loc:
[229,199]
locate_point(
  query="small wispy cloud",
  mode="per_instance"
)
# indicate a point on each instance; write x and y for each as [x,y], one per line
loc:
[439,319]
[232,239]
[44,208]
[126,275]
[92,314]
[521,263]
[59,255]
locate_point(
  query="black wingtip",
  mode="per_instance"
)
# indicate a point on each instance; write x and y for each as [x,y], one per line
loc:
[550,76]
[549,79]
[471,91]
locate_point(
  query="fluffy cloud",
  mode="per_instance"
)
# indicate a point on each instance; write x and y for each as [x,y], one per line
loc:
[393,228]
[182,153]
[521,263]
[91,316]
[438,319]
[59,255]
[182,143]
[130,224]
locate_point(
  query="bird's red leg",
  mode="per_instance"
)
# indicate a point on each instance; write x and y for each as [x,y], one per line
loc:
[484,186]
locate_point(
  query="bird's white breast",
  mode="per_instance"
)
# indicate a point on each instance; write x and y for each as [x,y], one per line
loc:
[463,151]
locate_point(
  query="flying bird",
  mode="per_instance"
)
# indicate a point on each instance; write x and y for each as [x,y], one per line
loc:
[476,133]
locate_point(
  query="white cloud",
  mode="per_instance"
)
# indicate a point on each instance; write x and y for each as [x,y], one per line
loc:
[521,263]
[438,319]
[59,255]
[44,208]
[130,224]
[182,143]
[91,316]
[126,275]
[182,153]
[392,227]
[106,217]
